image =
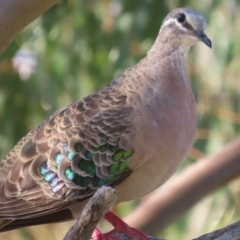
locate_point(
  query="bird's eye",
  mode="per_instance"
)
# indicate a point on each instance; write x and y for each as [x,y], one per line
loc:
[181,17]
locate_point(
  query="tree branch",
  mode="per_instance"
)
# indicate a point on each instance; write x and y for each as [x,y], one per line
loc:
[231,232]
[93,212]
[17,14]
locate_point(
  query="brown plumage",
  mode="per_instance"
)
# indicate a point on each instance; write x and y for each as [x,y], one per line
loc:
[133,134]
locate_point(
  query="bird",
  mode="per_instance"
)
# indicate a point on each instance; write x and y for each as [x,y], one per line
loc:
[131,135]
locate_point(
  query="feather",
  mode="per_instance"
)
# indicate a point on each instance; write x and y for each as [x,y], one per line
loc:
[65,160]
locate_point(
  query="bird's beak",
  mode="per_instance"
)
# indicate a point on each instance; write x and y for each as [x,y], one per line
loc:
[203,37]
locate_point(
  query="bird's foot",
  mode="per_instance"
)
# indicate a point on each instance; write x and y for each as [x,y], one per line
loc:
[122,227]
[97,235]
[119,227]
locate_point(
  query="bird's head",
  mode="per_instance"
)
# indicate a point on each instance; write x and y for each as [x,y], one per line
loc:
[186,26]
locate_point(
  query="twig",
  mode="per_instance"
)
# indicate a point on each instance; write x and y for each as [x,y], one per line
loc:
[95,209]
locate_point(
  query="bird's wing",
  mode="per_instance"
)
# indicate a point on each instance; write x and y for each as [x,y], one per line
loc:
[77,150]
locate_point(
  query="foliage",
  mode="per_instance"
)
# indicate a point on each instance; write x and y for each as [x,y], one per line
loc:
[78,46]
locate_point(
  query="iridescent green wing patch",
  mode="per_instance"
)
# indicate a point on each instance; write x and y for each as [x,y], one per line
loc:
[94,167]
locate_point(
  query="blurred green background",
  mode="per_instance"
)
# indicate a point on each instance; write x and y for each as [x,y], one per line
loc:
[78,46]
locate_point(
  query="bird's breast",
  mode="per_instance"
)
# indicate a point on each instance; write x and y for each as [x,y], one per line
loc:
[167,121]
[165,130]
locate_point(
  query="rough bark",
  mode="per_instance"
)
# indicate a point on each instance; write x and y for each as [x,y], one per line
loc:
[231,232]
[93,212]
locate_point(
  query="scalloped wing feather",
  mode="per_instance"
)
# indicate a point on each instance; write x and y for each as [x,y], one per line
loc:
[78,149]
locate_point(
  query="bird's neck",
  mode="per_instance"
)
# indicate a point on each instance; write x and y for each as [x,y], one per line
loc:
[164,65]
[167,57]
